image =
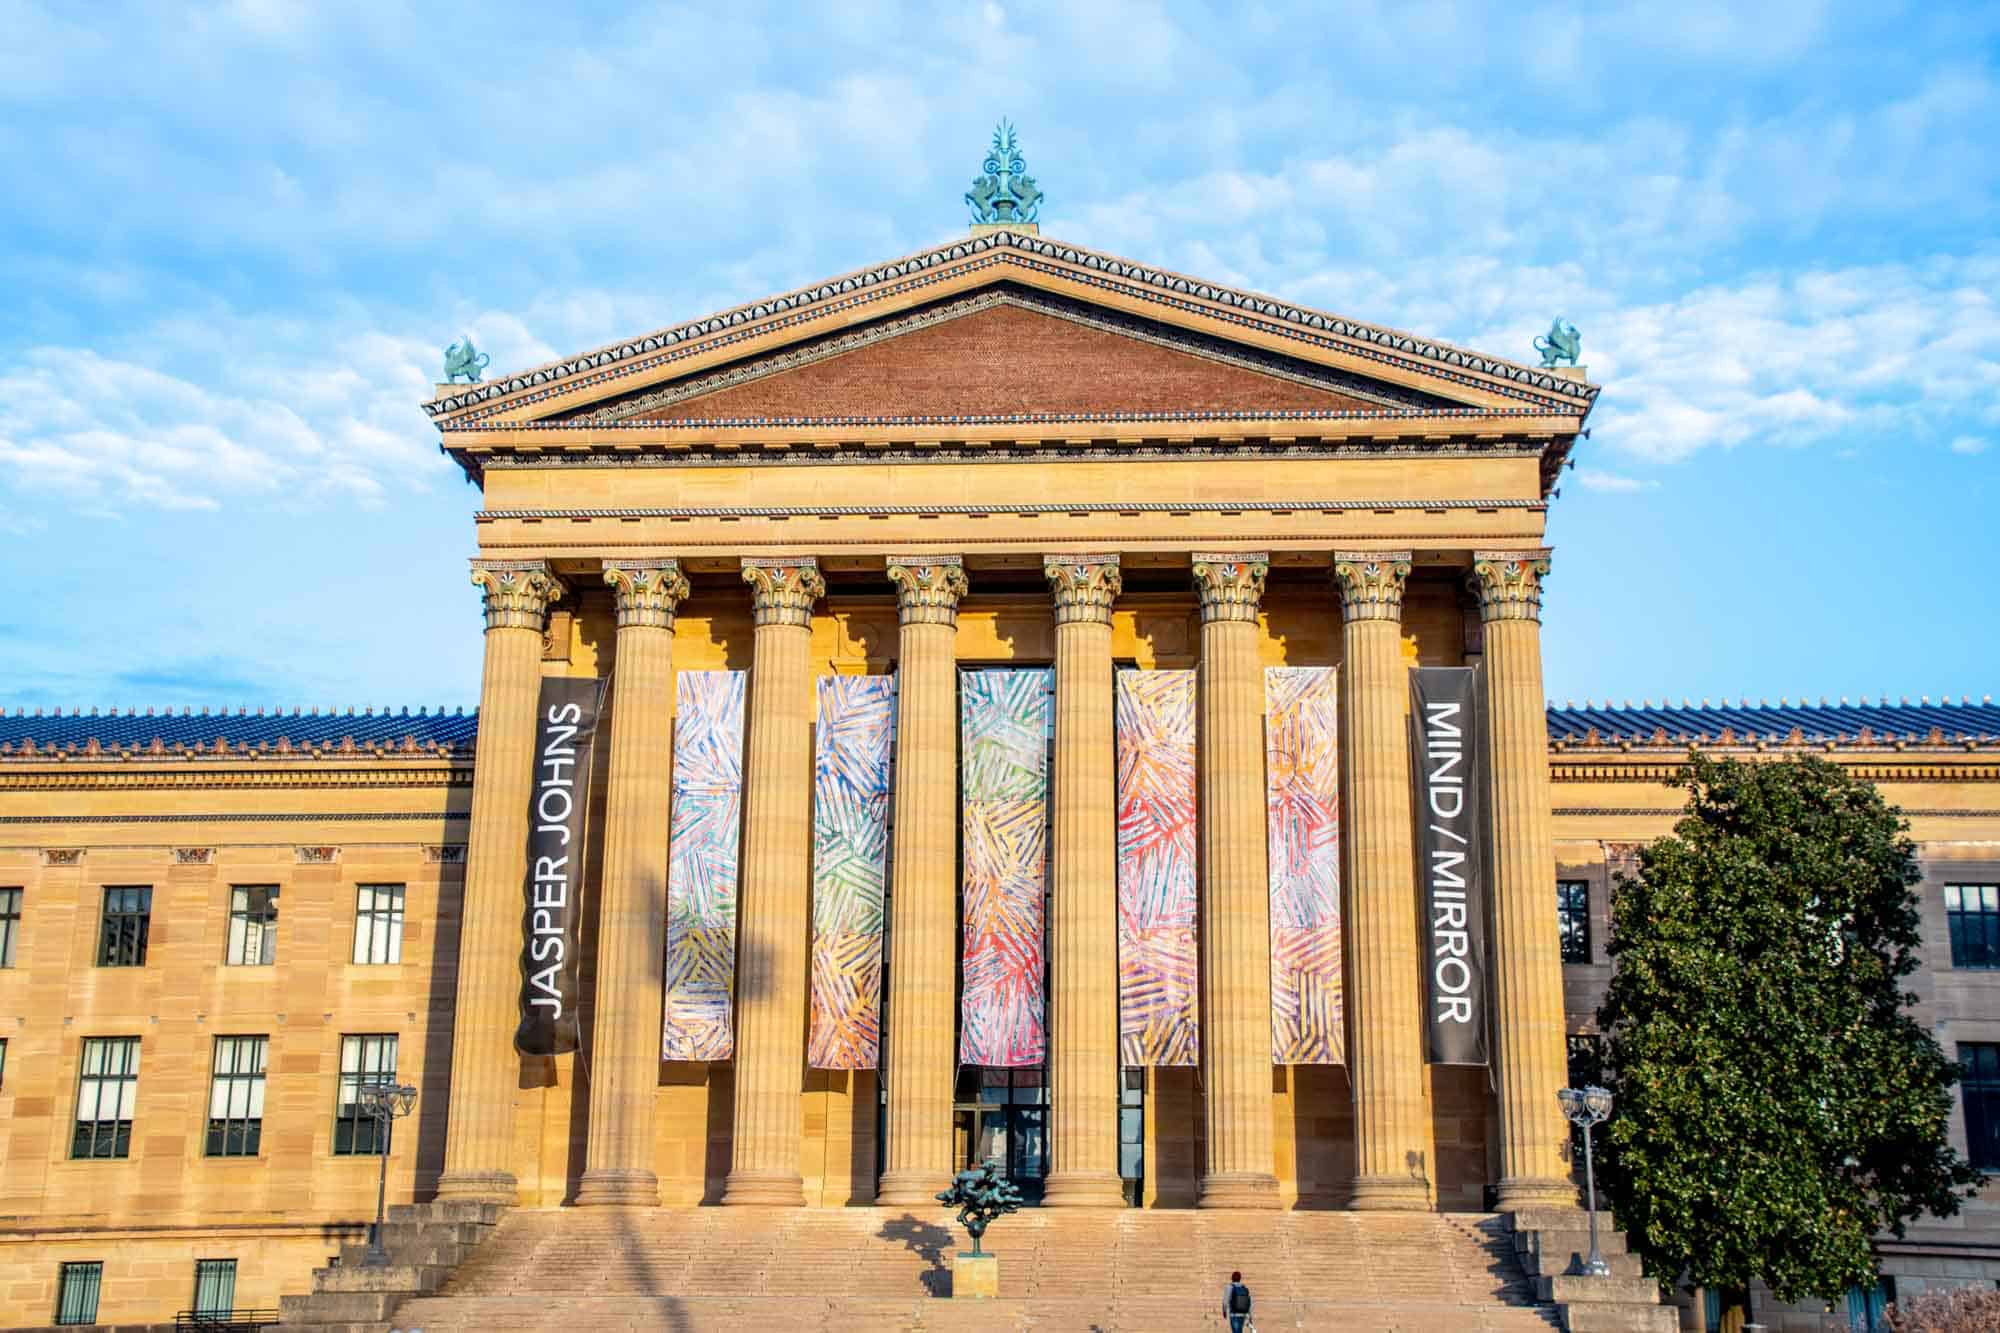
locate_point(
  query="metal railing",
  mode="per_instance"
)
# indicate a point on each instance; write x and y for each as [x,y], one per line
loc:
[224,1321]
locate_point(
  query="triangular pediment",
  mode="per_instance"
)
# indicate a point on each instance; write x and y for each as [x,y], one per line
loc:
[1011,326]
[1008,350]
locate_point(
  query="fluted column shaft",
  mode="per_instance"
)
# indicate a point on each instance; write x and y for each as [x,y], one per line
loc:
[1391,1118]
[1529,1047]
[923,926]
[775,901]
[479,1140]
[1083,925]
[1235,889]
[632,901]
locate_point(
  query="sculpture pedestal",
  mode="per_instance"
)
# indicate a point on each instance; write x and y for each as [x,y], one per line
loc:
[975,1277]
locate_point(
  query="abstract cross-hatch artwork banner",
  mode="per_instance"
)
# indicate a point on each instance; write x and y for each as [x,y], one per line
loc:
[1302,766]
[1158,964]
[706,833]
[1004,719]
[853,764]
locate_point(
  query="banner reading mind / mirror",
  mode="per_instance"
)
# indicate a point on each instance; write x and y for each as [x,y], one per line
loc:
[707,827]
[1158,965]
[1004,789]
[852,767]
[1302,756]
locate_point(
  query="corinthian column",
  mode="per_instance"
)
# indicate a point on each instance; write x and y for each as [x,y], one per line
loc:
[632,911]
[1391,1121]
[775,897]
[923,925]
[479,1140]
[1527,963]
[1083,931]
[1235,889]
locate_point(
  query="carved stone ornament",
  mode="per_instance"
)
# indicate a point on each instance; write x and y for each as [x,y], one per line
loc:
[1509,583]
[647,592]
[194,856]
[1371,583]
[1004,192]
[783,588]
[1230,583]
[928,588]
[517,592]
[317,856]
[1085,586]
[445,854]
[62,856]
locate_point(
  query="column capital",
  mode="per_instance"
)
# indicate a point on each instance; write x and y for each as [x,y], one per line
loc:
[1231,583]
[928,588]
[1085,586]
[783,588]
[647,592]
[1509,583]
[1371,583]
[517,593]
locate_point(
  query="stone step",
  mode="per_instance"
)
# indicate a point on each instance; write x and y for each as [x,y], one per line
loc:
[1564,1259]
[1576,1242]
[457,1210]
[401,1278]
[1586,1317]
[338,1307]
[1567,1288]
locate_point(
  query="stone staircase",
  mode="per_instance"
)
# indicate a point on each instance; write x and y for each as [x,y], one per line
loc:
[877,1268]
[1552,1241]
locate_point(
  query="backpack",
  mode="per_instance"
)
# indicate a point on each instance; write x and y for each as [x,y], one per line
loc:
[1239,1298]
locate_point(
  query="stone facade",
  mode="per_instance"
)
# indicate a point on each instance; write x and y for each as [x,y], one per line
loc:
[1160,474]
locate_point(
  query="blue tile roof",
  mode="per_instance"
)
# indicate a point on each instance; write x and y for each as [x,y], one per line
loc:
[1764,721]
[241,728]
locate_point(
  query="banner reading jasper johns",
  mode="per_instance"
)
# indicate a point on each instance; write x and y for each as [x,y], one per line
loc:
[1443,713]
[565,727]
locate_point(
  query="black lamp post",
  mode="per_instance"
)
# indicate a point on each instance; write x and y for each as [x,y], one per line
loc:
[388,1103]
[1586,1108]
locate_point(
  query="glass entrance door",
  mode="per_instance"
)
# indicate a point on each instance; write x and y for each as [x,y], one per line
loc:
[1002,1117]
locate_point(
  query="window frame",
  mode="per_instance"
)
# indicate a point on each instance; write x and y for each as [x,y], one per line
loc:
[351,1124]
[1961,925]
[123,1082]
[1573,945]
[375,925]
[231,1134]
[214,1268]
[251,924]
[95,1270]
[127,946]
[11,898]
[1980,1061]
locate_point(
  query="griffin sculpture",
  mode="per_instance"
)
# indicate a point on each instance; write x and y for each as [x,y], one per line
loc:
[1561,343]
[460,358]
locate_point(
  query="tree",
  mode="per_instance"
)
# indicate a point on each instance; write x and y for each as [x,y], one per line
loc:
[1778,1106]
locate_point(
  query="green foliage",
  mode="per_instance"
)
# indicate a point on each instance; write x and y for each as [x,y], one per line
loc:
[1777,1104]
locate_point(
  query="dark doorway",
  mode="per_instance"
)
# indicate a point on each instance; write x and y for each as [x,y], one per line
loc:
[1002,1115]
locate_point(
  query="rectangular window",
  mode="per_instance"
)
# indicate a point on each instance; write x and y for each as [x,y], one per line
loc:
[76,1293]
[1973,913]
[253,926]
[128,912]
[236,1097]
[366,1059]
[214,1288]
[378,924]
[1981,1089]
[10,924]
[107,1088]
[1573,918]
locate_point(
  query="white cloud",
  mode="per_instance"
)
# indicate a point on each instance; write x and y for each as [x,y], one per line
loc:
[1969,445]
[1594,479]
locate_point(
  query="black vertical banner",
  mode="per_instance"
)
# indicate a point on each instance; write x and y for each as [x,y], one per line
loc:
[1445,743]
[565,728]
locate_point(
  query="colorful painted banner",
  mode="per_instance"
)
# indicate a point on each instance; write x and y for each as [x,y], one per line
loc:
[852,770]
[702,864]
[1302,768]
[1004,719]
[1158,963]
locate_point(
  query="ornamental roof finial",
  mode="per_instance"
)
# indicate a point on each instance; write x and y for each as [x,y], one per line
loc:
[1004,195]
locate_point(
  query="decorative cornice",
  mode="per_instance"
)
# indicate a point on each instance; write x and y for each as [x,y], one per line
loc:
[1086,267]
[928,588]
[1648,812]
[299,772]
[783,588]
[1085,586]
[517,592]
[1509,583]
[647,592]
[1371,583]
[241,817]
[1261,506]
[1230,584]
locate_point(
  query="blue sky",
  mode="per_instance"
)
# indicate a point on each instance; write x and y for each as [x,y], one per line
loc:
[234,238]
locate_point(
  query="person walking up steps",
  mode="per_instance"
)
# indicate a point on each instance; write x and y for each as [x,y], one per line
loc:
[1236,1304]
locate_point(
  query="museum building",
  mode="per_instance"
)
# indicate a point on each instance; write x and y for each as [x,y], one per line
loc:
[1010,703]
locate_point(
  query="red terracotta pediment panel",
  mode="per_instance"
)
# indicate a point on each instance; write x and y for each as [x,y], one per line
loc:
[1003,352]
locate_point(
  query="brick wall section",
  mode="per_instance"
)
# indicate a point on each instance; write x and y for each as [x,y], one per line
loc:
[1006,360]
